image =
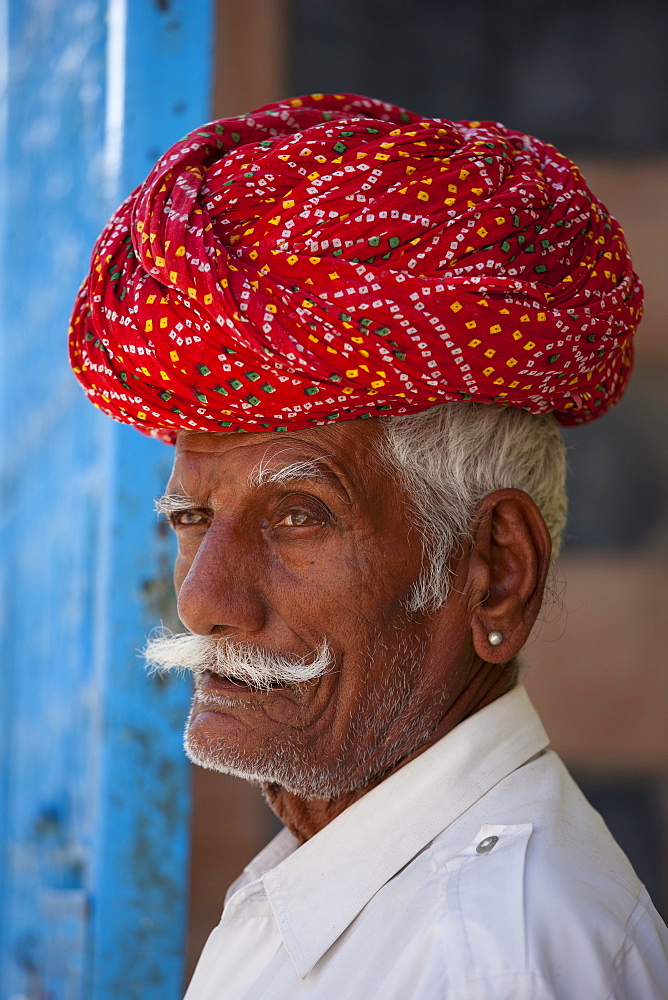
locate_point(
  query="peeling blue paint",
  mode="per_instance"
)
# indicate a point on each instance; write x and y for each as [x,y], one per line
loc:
[93,784]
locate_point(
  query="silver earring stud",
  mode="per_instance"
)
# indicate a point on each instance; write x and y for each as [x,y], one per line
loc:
[495,638]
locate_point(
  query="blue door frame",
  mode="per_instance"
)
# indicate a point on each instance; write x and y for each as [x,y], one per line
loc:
[94,797]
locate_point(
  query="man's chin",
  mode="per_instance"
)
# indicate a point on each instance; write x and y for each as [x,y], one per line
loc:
[214,759]
[211,741]
[279,770]
[214,740]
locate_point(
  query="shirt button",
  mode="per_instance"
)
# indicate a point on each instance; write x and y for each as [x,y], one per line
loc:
[486,845]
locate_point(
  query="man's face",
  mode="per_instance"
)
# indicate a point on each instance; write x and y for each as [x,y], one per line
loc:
[288,540]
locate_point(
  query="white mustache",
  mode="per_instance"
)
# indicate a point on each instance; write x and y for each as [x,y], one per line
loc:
[250,665]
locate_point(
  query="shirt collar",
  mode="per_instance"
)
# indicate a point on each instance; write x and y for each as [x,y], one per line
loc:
[318,890]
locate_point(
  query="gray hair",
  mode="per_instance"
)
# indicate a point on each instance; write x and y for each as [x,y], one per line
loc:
[450,457]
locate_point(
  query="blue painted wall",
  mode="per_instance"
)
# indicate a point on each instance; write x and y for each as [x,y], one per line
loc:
[93,784]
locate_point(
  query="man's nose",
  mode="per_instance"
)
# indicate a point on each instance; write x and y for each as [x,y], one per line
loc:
[219,594]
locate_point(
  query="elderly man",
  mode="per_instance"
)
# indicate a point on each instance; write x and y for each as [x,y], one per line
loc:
[357,591]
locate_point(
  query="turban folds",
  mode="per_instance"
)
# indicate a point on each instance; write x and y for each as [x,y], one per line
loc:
[333,257]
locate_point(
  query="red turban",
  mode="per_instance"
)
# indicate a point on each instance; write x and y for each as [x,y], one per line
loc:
[333,256]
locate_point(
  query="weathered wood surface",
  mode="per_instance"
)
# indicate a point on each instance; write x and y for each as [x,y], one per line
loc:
[94,798]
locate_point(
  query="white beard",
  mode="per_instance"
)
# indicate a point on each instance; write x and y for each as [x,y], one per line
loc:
[287,762]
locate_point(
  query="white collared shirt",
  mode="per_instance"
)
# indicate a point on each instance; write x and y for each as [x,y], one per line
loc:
[477,871]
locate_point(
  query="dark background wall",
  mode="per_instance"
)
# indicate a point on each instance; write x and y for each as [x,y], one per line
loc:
[589,75]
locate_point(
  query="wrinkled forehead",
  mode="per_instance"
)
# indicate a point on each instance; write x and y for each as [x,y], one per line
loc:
[347,451]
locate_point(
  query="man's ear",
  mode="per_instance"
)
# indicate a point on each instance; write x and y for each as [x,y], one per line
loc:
[507,568]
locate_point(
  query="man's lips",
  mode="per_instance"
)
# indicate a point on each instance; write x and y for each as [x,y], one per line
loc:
[224,684]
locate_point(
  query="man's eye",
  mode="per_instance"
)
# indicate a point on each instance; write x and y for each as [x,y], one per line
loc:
[183,517]
[298,519]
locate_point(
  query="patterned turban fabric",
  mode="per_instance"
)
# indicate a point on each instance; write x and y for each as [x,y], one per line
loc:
[335,257]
